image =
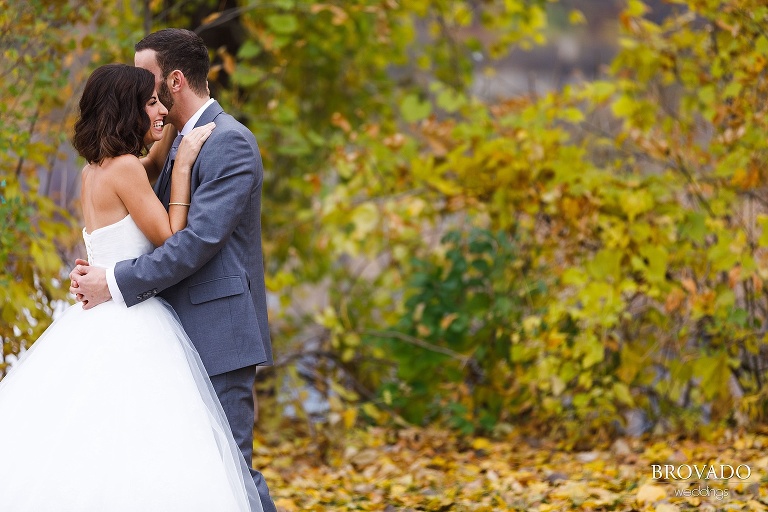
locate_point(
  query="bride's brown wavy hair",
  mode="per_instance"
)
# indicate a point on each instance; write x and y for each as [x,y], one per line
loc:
[113,120]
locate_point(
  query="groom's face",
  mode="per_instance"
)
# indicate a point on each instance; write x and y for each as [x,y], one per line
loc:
[146,59]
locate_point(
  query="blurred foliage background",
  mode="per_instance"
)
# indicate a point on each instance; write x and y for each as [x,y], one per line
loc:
[584,256]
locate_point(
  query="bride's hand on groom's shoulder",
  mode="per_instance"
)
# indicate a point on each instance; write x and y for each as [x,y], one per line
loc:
[190,146]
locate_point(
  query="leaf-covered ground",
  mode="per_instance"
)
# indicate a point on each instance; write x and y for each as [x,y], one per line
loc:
[409,470]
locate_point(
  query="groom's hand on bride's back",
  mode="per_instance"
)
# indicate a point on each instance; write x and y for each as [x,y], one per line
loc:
[88,284]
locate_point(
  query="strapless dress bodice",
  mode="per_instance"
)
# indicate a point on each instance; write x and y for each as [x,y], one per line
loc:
[120,241]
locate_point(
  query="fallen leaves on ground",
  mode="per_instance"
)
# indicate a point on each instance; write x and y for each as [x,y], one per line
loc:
[409,470]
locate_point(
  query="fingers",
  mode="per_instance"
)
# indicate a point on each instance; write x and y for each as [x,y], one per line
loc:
[79,270]
[207,130]
[74,290]
[206,127]
[73,276]
[203,137]
[192,143]
[199,134]
[82,267]
[74,286]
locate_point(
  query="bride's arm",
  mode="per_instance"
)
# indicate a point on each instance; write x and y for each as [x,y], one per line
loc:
[145,208]
[179,203]
[155,159]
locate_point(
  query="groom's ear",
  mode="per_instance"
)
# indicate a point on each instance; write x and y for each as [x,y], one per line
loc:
[177,80]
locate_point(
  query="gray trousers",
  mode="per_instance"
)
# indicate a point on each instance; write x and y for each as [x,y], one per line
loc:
[235,391]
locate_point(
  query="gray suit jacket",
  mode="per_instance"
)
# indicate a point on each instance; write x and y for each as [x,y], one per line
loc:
[212,272]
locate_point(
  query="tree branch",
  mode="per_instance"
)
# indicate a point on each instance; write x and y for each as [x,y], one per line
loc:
[419,343]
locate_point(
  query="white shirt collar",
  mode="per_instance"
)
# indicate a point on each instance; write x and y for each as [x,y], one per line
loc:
[195,117]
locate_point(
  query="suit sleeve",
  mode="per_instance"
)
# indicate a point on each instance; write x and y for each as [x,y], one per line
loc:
[227,172]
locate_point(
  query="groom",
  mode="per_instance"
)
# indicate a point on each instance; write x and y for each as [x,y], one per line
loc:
[212,272]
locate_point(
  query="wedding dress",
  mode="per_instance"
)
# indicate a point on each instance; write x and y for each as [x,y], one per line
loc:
[111,411]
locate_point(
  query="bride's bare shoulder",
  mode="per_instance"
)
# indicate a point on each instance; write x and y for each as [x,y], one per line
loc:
[126,162]
[122,168]
[113,169]
[128,176]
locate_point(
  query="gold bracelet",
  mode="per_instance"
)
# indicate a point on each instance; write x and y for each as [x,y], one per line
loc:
[180,204]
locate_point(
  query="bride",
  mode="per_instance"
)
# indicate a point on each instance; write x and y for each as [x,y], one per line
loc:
[111,409]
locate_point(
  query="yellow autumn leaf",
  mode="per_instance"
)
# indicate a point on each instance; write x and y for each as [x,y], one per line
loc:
[650,493]
[576,17]
[481,443]
[365,218]
[350,417]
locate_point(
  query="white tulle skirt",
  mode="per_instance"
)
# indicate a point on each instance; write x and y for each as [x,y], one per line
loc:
[111,410]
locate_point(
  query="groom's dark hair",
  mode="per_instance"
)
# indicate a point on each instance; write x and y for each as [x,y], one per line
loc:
[178,48]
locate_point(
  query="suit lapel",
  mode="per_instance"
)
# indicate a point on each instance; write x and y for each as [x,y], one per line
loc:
[162,182]
[213,110]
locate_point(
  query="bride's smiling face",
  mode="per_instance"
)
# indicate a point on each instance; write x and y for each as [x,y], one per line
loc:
[156,112]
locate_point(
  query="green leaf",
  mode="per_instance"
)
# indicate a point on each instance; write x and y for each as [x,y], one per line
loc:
[592,350]
[284,24]
[450,100]
[624,106]
[707,95]
[365,218]
[606,263]
[695,227]
[714,373]
[656,258]
[633,360]
[761,45]
[413,109]
[621,391]
[247,76]
[762,221]
[600,90]
[732,90]
[572,115]
[248,50]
